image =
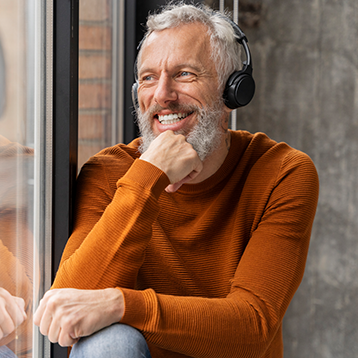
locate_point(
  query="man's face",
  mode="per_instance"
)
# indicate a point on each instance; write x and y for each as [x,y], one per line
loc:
[178,83]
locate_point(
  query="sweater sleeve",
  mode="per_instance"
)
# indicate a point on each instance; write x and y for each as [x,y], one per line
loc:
[246,322]
[111,232]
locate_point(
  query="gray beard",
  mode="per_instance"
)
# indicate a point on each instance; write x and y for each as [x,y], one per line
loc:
[205,137]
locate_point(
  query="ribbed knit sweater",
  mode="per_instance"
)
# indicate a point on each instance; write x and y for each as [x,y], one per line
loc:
[207,271]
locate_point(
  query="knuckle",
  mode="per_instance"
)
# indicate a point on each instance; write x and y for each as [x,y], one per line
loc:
[4,294]
[20,300]
[19,320]
[67,323]
[47,295]
[51,304]
[10,327]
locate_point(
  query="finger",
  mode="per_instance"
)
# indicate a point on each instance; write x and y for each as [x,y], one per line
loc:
[45,323]
[39,312]
[6,323]
[172,188]
[20,316]
[21,304]
[65,339]
[54,331]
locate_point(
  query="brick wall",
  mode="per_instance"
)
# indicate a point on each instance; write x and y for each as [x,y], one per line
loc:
[95,82]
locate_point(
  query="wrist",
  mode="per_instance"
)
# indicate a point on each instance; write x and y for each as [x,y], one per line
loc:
[115,300]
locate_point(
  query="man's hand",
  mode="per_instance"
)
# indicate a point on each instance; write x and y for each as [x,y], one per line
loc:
[65,315]
[12,312]
[175,157]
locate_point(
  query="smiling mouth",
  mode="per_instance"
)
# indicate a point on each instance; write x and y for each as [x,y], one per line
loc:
[172,117]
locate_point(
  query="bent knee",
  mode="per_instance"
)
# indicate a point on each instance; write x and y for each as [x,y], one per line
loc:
[117,340]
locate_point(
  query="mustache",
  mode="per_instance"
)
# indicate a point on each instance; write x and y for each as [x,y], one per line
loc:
[174,107]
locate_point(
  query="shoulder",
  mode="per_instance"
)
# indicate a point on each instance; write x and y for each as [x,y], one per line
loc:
[259,148]
[117,153]
[267,162]
[115,158]
[110,164]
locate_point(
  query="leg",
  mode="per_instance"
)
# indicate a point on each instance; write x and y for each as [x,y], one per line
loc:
[6,352]
[116,341]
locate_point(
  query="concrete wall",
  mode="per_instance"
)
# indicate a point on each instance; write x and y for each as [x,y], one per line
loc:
[305,55]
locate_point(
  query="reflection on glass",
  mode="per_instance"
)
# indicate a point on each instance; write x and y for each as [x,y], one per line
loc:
[16,186]
[16,266]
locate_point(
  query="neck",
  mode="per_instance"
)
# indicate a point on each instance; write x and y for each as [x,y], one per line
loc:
[214,161]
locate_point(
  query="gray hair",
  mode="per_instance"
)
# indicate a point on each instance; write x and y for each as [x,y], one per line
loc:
[225,51]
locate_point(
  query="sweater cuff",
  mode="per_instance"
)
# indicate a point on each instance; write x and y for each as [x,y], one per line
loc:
[147,176]
[134,308]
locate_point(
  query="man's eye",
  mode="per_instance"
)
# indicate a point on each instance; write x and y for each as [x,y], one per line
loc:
[185,73]
[147,78]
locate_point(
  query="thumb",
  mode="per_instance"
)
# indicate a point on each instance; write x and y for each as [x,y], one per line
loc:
[172,188]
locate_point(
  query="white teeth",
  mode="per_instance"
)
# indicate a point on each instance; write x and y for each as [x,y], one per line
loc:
[172,118]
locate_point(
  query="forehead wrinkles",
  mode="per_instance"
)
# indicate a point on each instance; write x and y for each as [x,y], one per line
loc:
[185,39]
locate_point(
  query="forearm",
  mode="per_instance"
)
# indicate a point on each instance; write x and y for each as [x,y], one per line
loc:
[239,325]
[112,252]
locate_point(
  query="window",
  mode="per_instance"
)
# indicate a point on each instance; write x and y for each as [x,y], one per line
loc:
[100,75]
[25,107]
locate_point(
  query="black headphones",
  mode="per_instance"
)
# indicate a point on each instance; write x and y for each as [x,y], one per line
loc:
[240,87]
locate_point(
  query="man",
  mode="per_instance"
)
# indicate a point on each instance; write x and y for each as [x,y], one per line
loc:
[193,238]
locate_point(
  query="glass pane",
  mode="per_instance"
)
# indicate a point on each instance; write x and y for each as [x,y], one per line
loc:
[99,41]
[16,177]
[22,93]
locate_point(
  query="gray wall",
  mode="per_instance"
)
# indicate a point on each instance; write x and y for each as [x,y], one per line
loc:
[305,55]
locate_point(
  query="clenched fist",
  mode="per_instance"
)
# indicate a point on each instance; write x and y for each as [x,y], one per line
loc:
[12,312]
[175,157]
[65,315]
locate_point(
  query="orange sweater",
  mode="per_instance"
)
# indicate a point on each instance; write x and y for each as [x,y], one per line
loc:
[210,270]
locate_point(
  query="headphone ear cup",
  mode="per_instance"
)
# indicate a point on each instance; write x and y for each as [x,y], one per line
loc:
[239,90]
[135,95]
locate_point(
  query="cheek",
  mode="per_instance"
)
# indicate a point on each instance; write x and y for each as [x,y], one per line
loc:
[144,96]
[208,93]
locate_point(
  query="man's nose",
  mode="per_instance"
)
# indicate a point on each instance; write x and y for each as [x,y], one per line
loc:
[165,91]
